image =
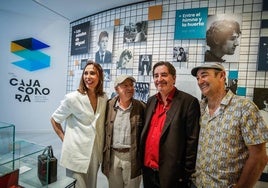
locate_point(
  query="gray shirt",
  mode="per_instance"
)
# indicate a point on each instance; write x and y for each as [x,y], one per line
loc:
[122,130]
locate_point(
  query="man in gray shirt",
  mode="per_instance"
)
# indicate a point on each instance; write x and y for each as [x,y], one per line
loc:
[123,126]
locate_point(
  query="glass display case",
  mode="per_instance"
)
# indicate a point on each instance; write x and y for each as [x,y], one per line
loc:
[7,145]
[23,155]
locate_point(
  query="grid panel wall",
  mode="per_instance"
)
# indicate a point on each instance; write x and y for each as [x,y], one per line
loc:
[160,40]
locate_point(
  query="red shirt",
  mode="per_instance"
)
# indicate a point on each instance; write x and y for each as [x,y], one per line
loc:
[151,154]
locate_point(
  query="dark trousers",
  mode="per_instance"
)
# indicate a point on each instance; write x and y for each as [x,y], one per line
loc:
[150,178]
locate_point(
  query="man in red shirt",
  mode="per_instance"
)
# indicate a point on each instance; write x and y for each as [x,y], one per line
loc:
[170,135]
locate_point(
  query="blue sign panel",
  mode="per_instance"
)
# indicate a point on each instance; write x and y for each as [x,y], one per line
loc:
[191,23]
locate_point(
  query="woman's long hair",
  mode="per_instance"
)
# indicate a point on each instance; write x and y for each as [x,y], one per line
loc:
[99,88]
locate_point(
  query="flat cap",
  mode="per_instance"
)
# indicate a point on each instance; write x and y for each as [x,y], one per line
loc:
[217,66]
[120,79]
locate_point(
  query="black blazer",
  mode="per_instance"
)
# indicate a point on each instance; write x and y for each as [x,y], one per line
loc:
[107,57]
[179,139]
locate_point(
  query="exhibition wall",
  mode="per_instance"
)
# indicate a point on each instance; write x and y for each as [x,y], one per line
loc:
[168,26]
[29,95]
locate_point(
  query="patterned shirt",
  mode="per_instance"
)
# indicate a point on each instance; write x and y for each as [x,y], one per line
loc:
[223,140]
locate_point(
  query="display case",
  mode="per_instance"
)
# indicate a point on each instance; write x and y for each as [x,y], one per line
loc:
[23,155]
[14,154]
[7,145]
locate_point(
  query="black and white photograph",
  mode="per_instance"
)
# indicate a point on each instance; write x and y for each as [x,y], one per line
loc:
[83,63]
[260,98]
[233,81]
[107,74]
[223,37]
[232,84]
[142,91]
[125,59]
[145,64]
[180,54]
[136,32]
[104,43]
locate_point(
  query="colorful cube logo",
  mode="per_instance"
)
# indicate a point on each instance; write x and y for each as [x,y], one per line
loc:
[29,50]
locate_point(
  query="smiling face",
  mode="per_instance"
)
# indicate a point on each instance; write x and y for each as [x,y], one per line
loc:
[125,90]
[210,81]
[91,77]
[163,80]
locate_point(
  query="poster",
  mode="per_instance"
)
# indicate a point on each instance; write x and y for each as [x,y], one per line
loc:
[104,44]
[83,63]
[223,37]
[125,59]
[191,23]
[107,75]
[233,80]
[263,54]
[180,54]
[136,32]
[145,64]
[260,98]
[142,91]
[80,39]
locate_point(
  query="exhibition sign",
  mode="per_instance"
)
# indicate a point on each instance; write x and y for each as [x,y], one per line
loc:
[80,39]
[191,23]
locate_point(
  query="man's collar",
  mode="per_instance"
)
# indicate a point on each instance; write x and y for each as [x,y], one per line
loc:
[169,97]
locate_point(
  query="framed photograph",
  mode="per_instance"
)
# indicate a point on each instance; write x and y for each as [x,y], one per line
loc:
[233,80]
[260,98]
[145,64]
[136,32]
[104,43]
[223,38]
[83,63]
[180,54]
[125,59]
[107,74]
[142,91]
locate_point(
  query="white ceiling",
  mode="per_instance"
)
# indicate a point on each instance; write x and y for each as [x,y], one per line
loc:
[68,9]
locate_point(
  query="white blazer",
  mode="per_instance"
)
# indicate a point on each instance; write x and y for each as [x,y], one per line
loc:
[83,128]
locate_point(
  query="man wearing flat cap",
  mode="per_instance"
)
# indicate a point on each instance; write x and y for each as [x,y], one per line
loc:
[123,125]
[233,134]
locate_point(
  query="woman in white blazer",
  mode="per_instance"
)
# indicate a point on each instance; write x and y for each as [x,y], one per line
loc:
[83,112]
